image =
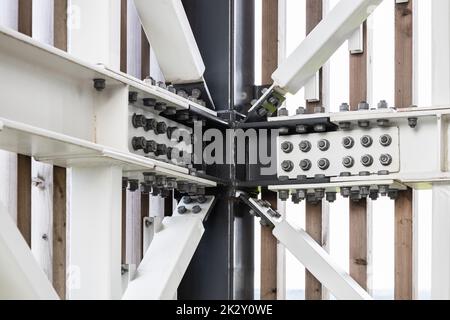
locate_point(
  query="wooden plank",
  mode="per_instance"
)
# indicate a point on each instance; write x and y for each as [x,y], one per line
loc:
[123,35]
[358,210]
[145,56]
[268,254]
[60,24]
[60,41]
[24,197]
[313,288]
[25,26]
[59,230]
[403,99]
[26,17]
[269,65]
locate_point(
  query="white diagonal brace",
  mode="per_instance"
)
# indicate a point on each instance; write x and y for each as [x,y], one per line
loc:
[166,25]
[319,263]
[21,278]
[171,250]
[322,42]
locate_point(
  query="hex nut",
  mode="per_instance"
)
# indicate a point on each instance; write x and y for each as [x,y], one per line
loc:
[344,107]
[305,165]
[287,166]
[196,209]
[287,147]
[386,140]
[386,159]
[305,146]
[323,164]
[323,145]
[182,210]
[348,162]
[367,160]
[348,142]
[366,141]
[363,106]
[149,102]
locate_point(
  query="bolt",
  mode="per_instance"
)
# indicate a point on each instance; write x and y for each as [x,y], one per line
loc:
[149,177]
[348,162]
[262,112]
[373,194]
[345,125]
[295,198]
[300,111]
[183,115]
[305,165]
[182,186]
[383,123]
[367,160]
[182,210]
[161,128]
[171,183]
[160,106]
[364,191]
[283,112]
[344,107]
[188,200]
[133,185]
[287,166]
[305,146]
[182,94]
[287,147]
[148,223]
[196,93]
[124,183]
[319,109]
[323,164]
[383,172]
[161,181]
[345,192]
[355,194]
[99,84]
[363,106]
[196,209]
[386,159]
[323,145]
[172,89]
[320,127]
[162,85]
[366,141]
[364,124]
[346,174]
[319,193]
[383,104]
[311,198]
[393,194]
[161,150]
[132,97]
[44,237]
[139,121]
[170,111]
[383,190]
[283,130]
[301,129]
[386,140]
[202,199]
[331,197]
[283,195]
[364,173]
[348,142]
[138,143]
[412,122]
[149,102]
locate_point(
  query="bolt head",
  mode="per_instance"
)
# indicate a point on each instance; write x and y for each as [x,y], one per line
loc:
[386,159]
[363,106]
[366,141]
[287,147]
[305,165]
[348,142]
[287,166]
[182,210]
[196,209]
[323,145]
[386,140]
[344,107]
[383,104]
[305,146]
[301,129]
[300,111]
[323,164]
[367,160]
[283,112]
[348,162]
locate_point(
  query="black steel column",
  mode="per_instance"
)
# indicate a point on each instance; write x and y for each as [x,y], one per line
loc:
[224,30]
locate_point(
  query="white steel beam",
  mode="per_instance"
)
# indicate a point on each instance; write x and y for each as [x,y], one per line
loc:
[171,250]
[319,263]
[309,253]
[21,278]
[322,42]
[166,24]
[95,233]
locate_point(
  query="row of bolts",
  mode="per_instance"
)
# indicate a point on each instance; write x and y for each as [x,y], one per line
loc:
[345,107]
